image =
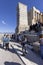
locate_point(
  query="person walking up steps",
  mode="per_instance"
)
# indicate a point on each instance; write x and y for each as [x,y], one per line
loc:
[23,43]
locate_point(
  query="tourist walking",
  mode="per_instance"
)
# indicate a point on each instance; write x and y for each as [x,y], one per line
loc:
[23,43]
[3,39]
[7,42]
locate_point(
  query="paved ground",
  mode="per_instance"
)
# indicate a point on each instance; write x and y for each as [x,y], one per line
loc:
[9,57]
[14,56]
[30,58]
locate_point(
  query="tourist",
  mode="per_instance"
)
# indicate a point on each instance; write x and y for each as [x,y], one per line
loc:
[23,43]
[3,39]
[41,44]
[41,47]
[7,42]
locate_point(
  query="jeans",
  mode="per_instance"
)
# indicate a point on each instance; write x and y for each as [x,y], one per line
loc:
[41,50]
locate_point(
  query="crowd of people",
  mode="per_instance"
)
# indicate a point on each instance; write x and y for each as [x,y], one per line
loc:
[23,40]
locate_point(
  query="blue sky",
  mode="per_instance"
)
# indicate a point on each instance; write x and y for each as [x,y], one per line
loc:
[8,12]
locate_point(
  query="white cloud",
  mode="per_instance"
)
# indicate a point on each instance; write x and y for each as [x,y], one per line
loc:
[3,22]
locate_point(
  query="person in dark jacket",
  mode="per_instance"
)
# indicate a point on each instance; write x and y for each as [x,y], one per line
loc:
[3,39]
[23,43]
